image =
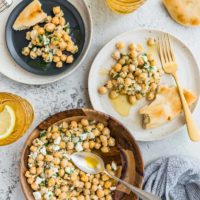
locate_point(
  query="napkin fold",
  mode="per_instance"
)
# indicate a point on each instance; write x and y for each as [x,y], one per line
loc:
[174,178]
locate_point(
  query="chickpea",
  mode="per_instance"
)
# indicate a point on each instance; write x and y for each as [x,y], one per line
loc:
[109,84]
[81,197]
[41,31]
[133,54]
[118,67]
[108,197]
[56,161]
[69,59]
[30,180]
[61,172]
[70,145]
[105,149]
[103,138]
[34,186]
[48,19]
[84,122]
[50,27]
[91,144]
[64,163]
[51,182]
[97,146]
[107,184]
[56,10]
[150,42]
[116,55]
[138,96]
[139,48]
[131,47]
[49,172]
[59,64]
[74,177]
[113,94]
[102,90]
[33,170]
[28,35]
[150,96]
[62,145]
[140,61]
[153,63]
[40,163]
[26,51]
[62,196]
[49,158]
[108,167]
[57,191]
[120,45]
[56,59]
[55,20]
[84,178]
[128,81]
[63,45]
[100,126]
[33,55]
[64,188]
[150,57]
[106,132]
[31,161]
[28,174]
[86,145]
[40,157]
[100,193]
[111,142]
[88,185]
[122,61]
[58,52]
[63,58]
[39,170]
[105,177]
[94,188]
[62,21]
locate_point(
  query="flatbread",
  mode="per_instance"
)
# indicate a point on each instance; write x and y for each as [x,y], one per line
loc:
[30,16]
[166,106]
[185,12]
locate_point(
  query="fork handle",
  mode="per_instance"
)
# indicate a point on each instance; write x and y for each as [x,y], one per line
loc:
[192,128]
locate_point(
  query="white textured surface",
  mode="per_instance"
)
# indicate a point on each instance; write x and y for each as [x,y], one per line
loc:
[72,91]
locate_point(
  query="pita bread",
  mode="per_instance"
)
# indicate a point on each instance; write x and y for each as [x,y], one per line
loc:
[165,107]
[185,12]
[30,16]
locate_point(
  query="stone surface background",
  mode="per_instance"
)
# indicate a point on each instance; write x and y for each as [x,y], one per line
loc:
[71,92]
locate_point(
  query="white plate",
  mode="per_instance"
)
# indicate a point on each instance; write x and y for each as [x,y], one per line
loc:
[188,74]
[10,69]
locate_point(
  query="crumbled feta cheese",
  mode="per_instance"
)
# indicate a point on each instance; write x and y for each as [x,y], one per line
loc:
[57,141]
[69,170]
[33,155]
[43,151]
[37,195]
[112,188]
[75,139]
[114,166]
[66,155]
[38,180]
[79,147]
[56,147]
[48,195]
[83,136]
[91,135]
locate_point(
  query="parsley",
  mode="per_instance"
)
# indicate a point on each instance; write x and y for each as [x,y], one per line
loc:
[47,144]
[40,37]
[43,133]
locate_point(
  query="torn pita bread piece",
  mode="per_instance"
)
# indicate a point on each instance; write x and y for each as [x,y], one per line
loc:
[30,16]
[166,106]
[185,12]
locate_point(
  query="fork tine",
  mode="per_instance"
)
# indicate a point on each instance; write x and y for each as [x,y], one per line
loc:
[170,48]
[160,52]
[164,49]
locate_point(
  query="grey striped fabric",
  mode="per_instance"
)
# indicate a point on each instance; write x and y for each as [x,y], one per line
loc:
[174,178]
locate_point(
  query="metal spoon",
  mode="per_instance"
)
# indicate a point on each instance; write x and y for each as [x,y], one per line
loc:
[93,164]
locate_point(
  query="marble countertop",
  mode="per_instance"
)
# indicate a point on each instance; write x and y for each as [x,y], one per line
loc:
[71,92]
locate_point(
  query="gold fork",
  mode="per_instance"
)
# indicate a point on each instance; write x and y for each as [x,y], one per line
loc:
[170,66]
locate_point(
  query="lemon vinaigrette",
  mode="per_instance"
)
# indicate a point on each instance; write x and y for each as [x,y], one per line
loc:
[124,6]
[16,116]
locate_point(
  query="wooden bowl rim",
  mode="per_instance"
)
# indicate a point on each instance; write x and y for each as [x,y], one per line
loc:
[21,176]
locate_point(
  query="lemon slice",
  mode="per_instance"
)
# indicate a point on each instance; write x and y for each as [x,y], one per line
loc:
[7,122]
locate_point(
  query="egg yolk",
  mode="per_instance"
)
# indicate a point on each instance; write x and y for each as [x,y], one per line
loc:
[91,162]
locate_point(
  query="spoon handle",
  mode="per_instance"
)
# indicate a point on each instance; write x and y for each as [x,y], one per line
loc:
[139,192]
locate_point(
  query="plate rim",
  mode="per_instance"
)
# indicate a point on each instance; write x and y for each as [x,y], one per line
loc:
[181,128]
[65,74]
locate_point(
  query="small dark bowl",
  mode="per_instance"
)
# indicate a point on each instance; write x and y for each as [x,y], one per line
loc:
[16,40]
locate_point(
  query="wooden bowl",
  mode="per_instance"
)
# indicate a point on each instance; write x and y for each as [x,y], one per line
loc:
[126,153]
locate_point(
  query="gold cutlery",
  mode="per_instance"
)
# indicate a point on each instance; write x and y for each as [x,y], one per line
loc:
[170,66]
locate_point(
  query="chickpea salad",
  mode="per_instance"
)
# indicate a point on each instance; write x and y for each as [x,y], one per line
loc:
[52,175]
[134,73]
[52,41]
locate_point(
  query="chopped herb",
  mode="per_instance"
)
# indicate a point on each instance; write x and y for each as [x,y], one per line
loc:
[40,37]
[116,76]
[47,144]
[43,133]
